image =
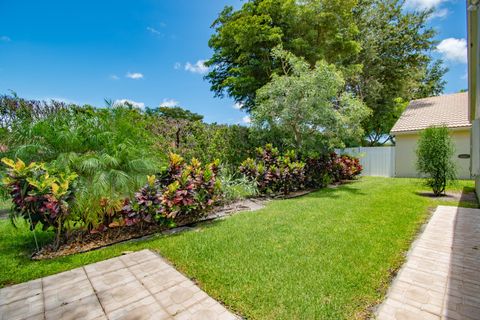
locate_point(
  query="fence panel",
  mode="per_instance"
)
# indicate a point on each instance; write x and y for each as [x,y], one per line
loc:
[376,161]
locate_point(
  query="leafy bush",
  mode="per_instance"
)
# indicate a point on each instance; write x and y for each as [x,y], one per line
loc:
[434,158]
[319,170]
[189,189]
[39,194]
[182,191]
[146,207]
[273,172]
[347,167]
[236,187]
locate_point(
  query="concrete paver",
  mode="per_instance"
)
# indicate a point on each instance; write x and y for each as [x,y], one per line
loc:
[139,285]
[441,277]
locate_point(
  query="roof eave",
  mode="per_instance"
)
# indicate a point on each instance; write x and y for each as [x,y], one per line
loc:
[456,128]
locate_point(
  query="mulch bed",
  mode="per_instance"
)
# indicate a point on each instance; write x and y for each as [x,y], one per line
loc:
[82,241]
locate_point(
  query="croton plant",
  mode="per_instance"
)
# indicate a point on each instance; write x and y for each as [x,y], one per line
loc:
[274,173]
[40,194]
[183,190]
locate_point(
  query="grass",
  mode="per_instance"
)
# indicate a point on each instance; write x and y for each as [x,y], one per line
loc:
[4,204]
[327,255]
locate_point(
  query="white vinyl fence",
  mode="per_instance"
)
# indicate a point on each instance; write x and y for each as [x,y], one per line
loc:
[376,161]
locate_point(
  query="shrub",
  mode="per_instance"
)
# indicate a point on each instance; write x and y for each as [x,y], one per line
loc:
[274,173]
[434,158]
[182,191]
[146,206]
[189,189]
[39,194]
[323,169]
[349,167]
[236,187]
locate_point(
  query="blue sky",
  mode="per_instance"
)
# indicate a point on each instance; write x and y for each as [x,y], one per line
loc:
[147,51]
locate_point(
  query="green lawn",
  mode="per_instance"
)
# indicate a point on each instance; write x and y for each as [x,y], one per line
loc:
[327,255]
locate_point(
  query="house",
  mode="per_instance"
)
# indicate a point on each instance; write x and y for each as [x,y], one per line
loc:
[473,17]
[450,110]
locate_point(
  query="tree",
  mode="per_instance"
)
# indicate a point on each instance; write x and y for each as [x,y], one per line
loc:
[309,105]
[178,118]
[382,50]
[396,63]
[434,158]
[243,40]
[175,113]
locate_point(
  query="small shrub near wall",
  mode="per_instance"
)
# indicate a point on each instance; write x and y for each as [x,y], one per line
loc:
[434,158]
[276,173]
[348,167]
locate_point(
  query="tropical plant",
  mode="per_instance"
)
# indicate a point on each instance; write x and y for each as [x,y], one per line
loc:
[274,173]
[108,148]
[235,186]
[348,167]
[435,150]
[189,190]
[146,206]
[319,170]
[40,195]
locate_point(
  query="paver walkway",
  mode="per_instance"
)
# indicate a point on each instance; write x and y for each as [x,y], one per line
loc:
[441,278]
[139,285]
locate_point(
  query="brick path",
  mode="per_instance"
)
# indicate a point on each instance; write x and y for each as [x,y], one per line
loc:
[441,278]
[138,285]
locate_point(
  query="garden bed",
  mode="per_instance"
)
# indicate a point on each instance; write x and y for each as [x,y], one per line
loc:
[81,241]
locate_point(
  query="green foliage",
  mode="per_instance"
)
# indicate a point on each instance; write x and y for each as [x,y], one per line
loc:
[175,113]
[309,105]
[39,194]
[383,50]
[243,40]
[434,158]
[235,186]
[273,172]
[346,167]
[191,189]
[396,59]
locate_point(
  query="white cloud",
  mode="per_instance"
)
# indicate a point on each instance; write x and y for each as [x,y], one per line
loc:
[5,39]
[427,5]
[134,75]
[154,31]
[454,50]
[423,4]
[177,65]
[238,105]
[135,104]
[169,103]
[60,99]
[114,77]
[440,13]
[246,119]
[198,67]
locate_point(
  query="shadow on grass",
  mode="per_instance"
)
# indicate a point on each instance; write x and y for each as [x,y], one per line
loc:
[336,191]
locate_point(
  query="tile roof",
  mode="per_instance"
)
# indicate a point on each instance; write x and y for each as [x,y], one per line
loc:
[450,110]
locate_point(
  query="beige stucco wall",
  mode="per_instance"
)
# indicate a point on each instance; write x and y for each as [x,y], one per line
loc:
[405,156]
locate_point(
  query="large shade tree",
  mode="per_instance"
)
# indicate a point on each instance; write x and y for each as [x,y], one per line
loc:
[396,65]
[243,40]
[309,105]
[382,50]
